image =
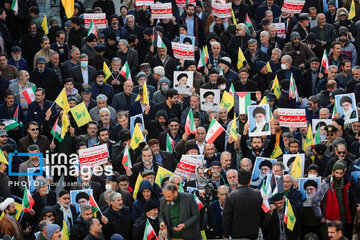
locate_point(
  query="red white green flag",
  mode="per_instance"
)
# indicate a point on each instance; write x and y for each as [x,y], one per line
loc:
[221,73]
[149,233]
[29,94]
[325,62]
[248,23]
[15,6]
[334,111]
[190,124]
[125,72]
[293,88]
[126,160]
[170,143]
[265,206]
[92,28]
[232,90]
[202,61]
[215,129]
[198,202]
[93,204]
[28,201]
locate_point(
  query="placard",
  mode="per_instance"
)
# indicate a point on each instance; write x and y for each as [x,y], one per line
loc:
[280,29]
[187,166]
[346,106]
[259,120]
[312,190]
[293,6]
[182,3]
[94,156]
[98,18]
[292,117]
[256,176]
[287,158]
[144,2]
[183,81]
[161,11]
[210,99]
[221,10]
[183,51]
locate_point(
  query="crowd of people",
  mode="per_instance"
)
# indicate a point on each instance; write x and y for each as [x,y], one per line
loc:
[298,61]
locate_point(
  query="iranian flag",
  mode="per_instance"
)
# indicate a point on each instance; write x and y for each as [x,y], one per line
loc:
[232,90]
[170,144]
[28,201]
[125,72]
[10,124]
[265,206]
[92,28]
[215,129]
[157,41]
[190,124]
[202,61]
[15,6]
[29,94]
[198,202]
[56,130]
[244,102]
[293,88]
[325,62]
[221,73]
[126,160]
[93,204]
[149,232]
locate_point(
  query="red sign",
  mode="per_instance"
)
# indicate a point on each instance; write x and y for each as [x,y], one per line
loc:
[98,18]
[293,6]
[93,156]
[161,11]
[221,10]
[187,165]
[292,117]
[182,3]
[183,51]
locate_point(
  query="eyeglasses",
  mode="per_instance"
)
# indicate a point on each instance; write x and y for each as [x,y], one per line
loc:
[342,152]
[34,129]
[224,194]
[4,136]
[50,215]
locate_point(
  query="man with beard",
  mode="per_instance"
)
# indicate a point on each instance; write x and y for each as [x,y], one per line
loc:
[342,154]
[151,214]
[331,201]
[345,75]
[100,87]
[336,57]
[119,31]
[210,154]
[147,163]
[64,210]
[335,231]
[157,126]
[354,129]
[216,176]
[195,106]
[292,194]
[166,159]
[265,169]
[232,179]
[312,76]
[259,114]
[173,129]
[346,104]
[45,51]
[347,48]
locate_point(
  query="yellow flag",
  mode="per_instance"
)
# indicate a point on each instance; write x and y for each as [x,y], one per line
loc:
[290,216]
[81,114]
[68,7]
[65,232]
[352,10]
[106,71]
[136,138]
[233,129]
[309,141]
[268,67]
[206,52]
[137,98]
[161,172]
[44,25]
[137,185]
[276,87]
[233,17]
[241,59]
[19,208]
[3,158]
[296,168]
[65,124]
[276,152]
[227,101]
[62,101]
[264,101]
[145,95]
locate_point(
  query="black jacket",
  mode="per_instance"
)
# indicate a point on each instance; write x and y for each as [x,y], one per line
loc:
[51,200]
[60,213]
[119,222]
[47,80]
[249,153]
[139,227]
[248,87]
[245,202]
[79,230]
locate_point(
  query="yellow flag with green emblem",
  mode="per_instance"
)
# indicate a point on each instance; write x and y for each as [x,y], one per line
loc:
[62,101]
[276,152]
[136,138]
[296,170]
[44,25]
[3,158]
[276,87]
[227,101]
[137,186]
[161,172]
[233,129]
[309,141]
[80,114]
[106,71]
[65,232]
[289,218]
[352,12]
[65,124]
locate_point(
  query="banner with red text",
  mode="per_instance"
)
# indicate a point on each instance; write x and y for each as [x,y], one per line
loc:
[187,165]
[293,6]
[161,11]
[98,18]
[221,10]
[94,156]
[292,117]
[181,50]
[280,29]
[182,3]
[144,2]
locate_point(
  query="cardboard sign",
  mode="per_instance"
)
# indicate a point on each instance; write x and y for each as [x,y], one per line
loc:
[98,18]
[93,156]
[293,6]
[280,29]
[221,10]
[184,51]
[292,117]
[187,166]
[182,3]
[144,2]
[161,11]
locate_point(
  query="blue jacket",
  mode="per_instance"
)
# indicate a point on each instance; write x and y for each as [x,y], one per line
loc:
[120,33]
[35,113]
[215,205]
[135,108]
[23,65]
[105,89]
[138,207]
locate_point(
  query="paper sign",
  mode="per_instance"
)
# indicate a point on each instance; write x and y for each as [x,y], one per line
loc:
[292,117]
[221,10]
[98,18]
[293,6]
[280,29]
[144,2]
[161,11]
[93,156]
[184,51]
[182,3]
[187,166]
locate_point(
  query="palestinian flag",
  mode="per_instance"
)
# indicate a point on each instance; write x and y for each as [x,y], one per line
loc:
[265,206]
[170,144]
[125,72]
[202,61]
[215,129]
[92,28]
[232,90]
[56,130]
[16,116]
[250,28]
[293,88]
[15,6]
[157,41]
[93,204]
[29,94]
[199,203]
[126,160]
[244,102]
[325,62]
[10,124]
[149,233]
[28,201]
[190,124]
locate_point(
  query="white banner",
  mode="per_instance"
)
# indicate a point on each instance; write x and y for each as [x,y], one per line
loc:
[292,117]
[184,51]
[98,18]
[161,11]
